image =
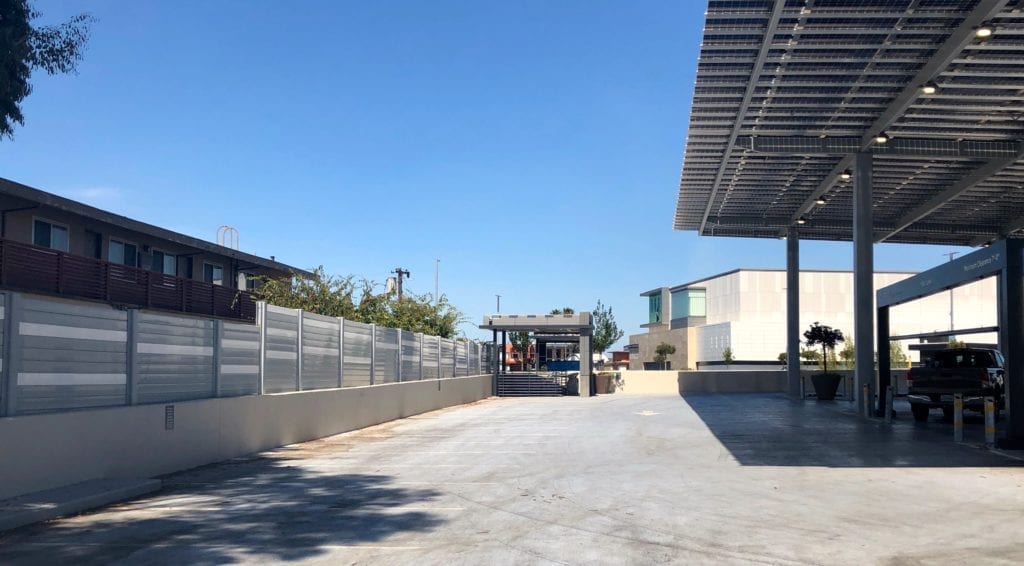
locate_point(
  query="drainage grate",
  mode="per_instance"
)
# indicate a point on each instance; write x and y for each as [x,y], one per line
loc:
[168,417]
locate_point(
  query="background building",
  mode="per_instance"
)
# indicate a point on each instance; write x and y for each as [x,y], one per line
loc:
[745,310]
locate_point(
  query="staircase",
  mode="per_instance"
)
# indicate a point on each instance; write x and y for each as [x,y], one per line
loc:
[531,385]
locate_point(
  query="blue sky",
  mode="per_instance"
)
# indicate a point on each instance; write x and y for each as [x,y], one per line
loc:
[533,146]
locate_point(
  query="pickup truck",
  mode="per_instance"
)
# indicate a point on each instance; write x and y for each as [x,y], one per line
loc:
[975,373]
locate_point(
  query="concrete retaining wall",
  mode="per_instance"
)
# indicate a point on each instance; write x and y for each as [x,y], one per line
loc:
[681,382]
[46,451]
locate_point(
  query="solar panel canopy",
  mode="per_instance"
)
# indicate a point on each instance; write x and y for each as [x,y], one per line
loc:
[788,92]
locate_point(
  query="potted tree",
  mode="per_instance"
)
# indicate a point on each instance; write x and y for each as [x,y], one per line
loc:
[825,384]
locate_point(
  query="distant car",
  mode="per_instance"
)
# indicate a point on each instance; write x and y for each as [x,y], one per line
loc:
[975,373]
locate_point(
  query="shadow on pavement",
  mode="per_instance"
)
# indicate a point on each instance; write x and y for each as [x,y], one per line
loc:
[771,430]
[257,508]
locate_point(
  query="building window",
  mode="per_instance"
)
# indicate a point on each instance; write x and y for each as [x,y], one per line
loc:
[50,235]
[213,274]
[654,308]
[165,263]
[123,253]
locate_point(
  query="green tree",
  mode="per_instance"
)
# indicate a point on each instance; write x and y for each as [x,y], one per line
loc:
[848,354]
[783,358]
[606,332]
[727,356]
[25,48]
[662,352]
[897,358]
[827,337]
[521,343]
[811,355]
[564,310]
[336,296]
[954,343]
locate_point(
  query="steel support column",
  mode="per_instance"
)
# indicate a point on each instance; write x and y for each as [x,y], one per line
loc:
[863,278]
[884,369]
[793,313]
[504,349]
[1011,341]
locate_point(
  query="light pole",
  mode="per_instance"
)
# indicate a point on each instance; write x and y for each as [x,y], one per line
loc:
[499,303]
[437,265]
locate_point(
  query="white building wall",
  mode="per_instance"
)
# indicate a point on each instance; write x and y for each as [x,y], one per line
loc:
[747,311]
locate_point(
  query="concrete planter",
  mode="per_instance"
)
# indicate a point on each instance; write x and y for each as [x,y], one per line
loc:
[826,385]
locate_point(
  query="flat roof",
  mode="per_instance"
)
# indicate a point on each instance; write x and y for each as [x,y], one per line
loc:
[544,323]
[787,92]
[32,194]
[689,284]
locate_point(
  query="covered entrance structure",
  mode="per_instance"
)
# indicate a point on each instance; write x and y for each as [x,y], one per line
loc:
[876,121]
[548,328]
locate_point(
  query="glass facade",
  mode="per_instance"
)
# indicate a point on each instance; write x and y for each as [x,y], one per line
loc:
[654,308]
[689,302]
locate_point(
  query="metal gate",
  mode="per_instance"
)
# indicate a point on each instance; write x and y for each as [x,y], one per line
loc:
[533,385]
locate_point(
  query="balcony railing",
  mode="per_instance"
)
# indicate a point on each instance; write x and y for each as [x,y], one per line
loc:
[36,269]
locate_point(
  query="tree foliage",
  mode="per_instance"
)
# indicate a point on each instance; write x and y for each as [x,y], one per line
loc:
[827,337]
[727,356]
[662,352]
[24,48]
[848,354]
[897,358]
[564,310]
[342,296]
[606,332]
[521,343]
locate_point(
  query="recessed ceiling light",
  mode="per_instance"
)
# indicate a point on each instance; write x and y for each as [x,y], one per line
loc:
[983,32]
[881,138]
[845,175]
[819,201]
[801,220]
[928,88]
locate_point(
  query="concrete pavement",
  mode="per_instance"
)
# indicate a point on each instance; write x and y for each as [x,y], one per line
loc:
[614,479]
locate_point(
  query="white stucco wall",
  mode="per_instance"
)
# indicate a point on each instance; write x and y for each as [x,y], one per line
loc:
[747,311]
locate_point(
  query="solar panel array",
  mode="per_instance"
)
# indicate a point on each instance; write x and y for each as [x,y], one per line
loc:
[817,69]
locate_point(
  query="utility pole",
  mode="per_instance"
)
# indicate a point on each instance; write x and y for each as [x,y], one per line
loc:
[399,273]
[950,256]
[499,303]
[437,265]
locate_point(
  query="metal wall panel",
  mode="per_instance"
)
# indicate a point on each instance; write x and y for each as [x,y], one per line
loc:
[281,353]
[430,357]
[174,358]
[474,358]
[461,359]
[447,358]
[320,351]
[239,359]
[358,353]
[385,356]
[66,355]
[410,356]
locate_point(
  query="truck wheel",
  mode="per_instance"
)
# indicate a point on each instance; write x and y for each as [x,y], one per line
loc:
[920,413]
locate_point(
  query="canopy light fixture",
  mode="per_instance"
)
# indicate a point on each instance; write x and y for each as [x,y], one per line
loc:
[819,201]
[881,138]
[983,31]
[845,175]
[801,220]
[928,88]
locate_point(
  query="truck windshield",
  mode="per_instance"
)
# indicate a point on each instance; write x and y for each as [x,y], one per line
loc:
[963,359]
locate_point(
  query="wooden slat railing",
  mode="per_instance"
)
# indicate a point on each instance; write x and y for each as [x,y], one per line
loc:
[36,269]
